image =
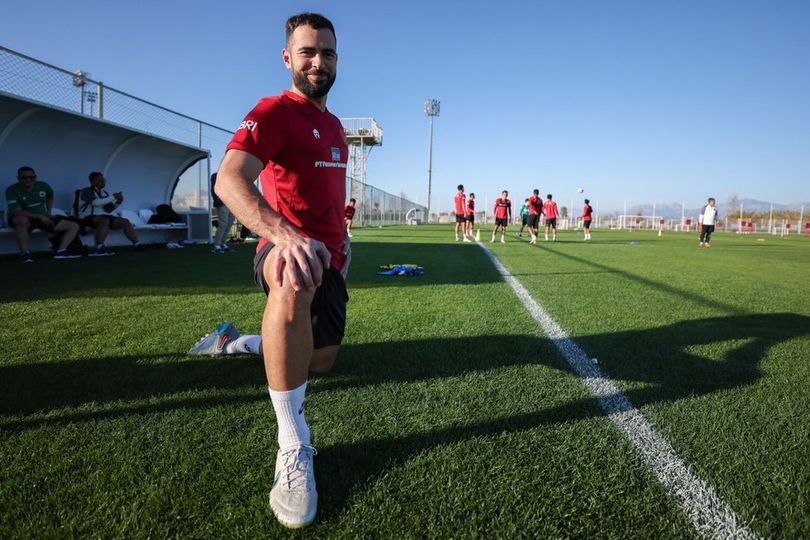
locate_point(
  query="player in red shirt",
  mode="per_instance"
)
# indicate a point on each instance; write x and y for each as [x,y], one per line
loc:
[348,216]
[298,150]
[551,213]
[461,213]
[470,216]
[535,209]
[587,215]
[503,213]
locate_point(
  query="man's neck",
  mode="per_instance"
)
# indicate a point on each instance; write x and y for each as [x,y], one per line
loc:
[319,102]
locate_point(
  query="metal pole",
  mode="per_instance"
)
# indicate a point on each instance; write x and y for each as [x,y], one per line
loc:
[624,214]
[210,227]
[100,100]
[741,216]
[770,221]
[430,165]
[801,218]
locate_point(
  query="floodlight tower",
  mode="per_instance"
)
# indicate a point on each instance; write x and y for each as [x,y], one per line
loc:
[432,107]
[362,134]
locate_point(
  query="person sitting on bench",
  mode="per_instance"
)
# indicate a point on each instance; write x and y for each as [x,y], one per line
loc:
[95,207]
[29,207]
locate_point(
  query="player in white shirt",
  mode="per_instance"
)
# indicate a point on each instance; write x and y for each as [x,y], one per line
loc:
[707,220]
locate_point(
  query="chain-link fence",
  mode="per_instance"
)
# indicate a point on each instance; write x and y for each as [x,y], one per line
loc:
[33,79]
[376,208]
[29,78]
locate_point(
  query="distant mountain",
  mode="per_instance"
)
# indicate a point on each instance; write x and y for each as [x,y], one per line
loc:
[673,210]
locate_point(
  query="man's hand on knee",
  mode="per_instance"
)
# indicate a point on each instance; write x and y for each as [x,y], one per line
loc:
[299,263]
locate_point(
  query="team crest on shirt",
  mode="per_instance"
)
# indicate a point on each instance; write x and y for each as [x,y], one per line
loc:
[335,154]
[316,133]
[42,194]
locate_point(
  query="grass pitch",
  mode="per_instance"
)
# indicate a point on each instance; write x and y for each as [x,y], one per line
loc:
[448,414]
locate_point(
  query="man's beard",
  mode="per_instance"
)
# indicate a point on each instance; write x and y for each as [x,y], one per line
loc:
[310,90]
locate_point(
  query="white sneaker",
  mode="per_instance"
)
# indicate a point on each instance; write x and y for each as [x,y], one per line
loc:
[493,239]
[467,239]
[502,240]
[293,497]
[350,235]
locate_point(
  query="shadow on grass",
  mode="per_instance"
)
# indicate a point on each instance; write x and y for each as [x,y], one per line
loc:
[195,270]
[661,357]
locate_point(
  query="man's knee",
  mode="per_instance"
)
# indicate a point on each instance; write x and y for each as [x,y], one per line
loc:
[21,222]
[285,295]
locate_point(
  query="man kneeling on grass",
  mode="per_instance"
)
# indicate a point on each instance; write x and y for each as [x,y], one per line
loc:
[95,208]
[30,203]
[292,143]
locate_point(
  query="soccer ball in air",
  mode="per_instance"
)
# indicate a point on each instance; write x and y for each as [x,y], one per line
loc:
[580,190]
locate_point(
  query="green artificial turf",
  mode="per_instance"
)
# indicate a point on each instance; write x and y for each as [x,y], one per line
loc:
[448,413]
[711,344]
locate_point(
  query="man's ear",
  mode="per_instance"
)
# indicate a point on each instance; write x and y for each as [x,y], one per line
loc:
[285,56]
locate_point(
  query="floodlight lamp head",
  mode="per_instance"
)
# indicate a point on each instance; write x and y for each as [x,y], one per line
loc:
[432,107]
[79,78]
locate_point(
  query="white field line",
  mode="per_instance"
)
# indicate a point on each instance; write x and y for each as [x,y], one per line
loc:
[711,516]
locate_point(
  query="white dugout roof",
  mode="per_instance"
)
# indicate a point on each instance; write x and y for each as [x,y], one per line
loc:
[63,147]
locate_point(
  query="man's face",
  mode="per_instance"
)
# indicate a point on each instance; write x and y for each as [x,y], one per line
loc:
[98,181]
[505,194]
[311,57]
[27,179]
[711,202]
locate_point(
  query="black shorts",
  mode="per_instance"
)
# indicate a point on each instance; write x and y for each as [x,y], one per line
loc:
[328,308]
[41,226]
[551,222]
[501,221]
[524,220]
[470,218]
[534,220]
[586,224]
[459,218]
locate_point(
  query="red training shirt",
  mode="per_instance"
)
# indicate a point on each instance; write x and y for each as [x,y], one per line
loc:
[586,212]
[470,206]
[304,151]
[550,210]
[348,213]
[535,205]
[503,208]
[460,198]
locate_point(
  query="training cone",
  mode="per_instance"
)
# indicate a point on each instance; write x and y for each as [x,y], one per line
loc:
[477,235]
[659,232]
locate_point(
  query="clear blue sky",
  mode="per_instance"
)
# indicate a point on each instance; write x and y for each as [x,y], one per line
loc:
[638,101]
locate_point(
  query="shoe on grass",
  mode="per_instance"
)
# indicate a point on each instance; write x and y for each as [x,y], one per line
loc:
[65,254]
[101,251]
[214,343]
[293,497]
[26,257]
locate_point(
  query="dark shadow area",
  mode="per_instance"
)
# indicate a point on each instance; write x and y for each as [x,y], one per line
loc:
[658,356]
[700,300]
[195,270]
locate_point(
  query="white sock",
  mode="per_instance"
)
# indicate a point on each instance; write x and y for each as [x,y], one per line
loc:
[250,344]
[292,426]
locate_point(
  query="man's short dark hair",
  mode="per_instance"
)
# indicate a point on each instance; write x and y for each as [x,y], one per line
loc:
[504,191]
[353,200]
[25,168]
[472,194]
[93,175]
[548,196]
[587,201]
[460,187]
[711,199]
[315,20]
[536,192]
